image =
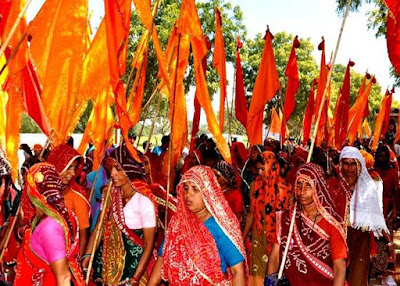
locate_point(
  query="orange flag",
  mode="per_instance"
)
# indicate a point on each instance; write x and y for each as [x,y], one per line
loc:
[323,75]
[14,86]
[356,112]
[189,24]
[291,88]
[99,126]
[379,123]
[275,125]
[58,55]
[386,120]
[219,63]
[265,88]
[367,129]
[308,116]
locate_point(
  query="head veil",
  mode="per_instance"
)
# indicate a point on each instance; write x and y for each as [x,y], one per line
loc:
[190,252]
[365,210]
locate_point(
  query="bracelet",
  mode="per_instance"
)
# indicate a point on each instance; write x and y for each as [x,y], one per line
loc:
[390,243]
[134,281]
[85,255]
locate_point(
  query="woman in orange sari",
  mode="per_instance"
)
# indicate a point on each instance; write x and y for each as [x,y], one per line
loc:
[50,251]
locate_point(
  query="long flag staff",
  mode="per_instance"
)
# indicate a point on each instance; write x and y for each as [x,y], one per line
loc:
[327,82]
[14,28]
[153,123]
[14,51]
[172,129]
[9,232]
[313,140]
[146,109]
[97,237]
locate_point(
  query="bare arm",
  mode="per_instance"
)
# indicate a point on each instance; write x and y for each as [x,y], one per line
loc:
[339,272]
[148,236]
[155,278]
[61,272]
[238,273]
[83,238]
[273,260]
[89,247]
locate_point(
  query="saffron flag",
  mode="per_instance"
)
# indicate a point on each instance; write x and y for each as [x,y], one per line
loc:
[385,125]
[58,57]
[323,75]
[240,99]
[189,24]
[342,110]
[291,88]
[357,111]
[379,123]
[265,88]
[275,125]
[393,33]
[367,129]
[308,116]
[220,65]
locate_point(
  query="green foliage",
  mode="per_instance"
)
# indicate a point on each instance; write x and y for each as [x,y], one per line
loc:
[28,125]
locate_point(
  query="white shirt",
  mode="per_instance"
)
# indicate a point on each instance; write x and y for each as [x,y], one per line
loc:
[139,212]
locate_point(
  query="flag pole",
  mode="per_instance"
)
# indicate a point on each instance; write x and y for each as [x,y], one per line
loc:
[328,82]
[172,129]
[153,122]
[14,28]
[14,51]
[96,239]
[9,232]
[146,109]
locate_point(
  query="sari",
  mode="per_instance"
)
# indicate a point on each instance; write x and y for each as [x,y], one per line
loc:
[190,254]
[44,190]
[121,248]
[270,195]
[309,260]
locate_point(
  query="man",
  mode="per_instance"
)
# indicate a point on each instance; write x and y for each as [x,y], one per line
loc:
[365,213]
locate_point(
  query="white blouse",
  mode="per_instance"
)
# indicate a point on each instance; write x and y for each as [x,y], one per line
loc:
[139,212]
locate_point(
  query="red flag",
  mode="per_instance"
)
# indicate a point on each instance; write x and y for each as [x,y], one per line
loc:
[308,116]
[219,63]
[33,102]
[379,123]
[388,109]
[240,99]
[342,112]
[291,88]
[265,88]
[5,6]
[393,33]
[323,75]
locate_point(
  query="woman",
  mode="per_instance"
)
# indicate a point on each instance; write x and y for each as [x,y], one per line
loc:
[268,194]
[227,180]
[203,237]
[50,251]
[129,225]
[318,250]
[68,164]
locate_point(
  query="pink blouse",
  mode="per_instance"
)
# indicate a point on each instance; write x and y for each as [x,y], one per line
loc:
[48,240]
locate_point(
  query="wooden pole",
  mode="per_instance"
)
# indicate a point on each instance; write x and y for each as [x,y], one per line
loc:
[9,232]
[153,122]
[287,242]
[170,139]
[97,237]
[327,82]
[14,28]
[14,51]
[146,109]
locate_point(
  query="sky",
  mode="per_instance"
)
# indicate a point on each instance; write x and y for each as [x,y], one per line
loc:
[307,19]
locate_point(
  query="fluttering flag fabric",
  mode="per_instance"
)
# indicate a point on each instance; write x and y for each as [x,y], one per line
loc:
[240,98]
[293,83]
[275,126]
[308,116]
[58,57]
[5,6]
[14,85]
[219,64]
[189,24]
[393,33]
[197,109]
[265,88]
[356,112]
[342,110]
[323,75]
[99,126]
[379,123]
[385,124]
[367,129]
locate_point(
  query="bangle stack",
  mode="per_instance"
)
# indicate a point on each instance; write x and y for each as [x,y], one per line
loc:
[390,243]
[85,255]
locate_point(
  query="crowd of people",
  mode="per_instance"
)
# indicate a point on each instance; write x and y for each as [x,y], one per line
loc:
[327,222]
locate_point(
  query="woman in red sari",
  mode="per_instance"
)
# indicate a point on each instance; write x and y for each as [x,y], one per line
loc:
[50,251]
[318,251]
[203,238]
